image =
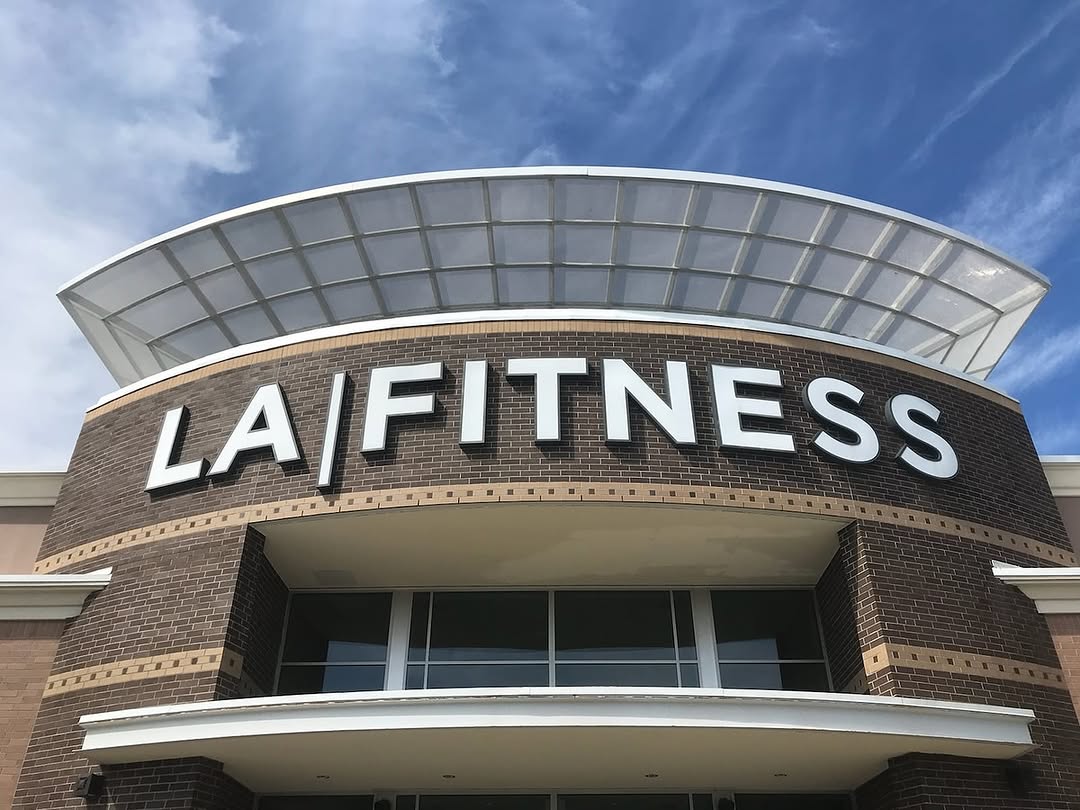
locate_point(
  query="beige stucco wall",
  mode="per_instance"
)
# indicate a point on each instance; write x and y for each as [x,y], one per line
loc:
[1070,516]
[21,530]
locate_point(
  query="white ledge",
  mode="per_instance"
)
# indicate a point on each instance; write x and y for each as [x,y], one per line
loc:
[48,596]
[1063,475]
[1053,590]
[18,488]
[536,736]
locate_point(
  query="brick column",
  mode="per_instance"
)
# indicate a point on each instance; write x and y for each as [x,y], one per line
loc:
[27,649]
[1065,630]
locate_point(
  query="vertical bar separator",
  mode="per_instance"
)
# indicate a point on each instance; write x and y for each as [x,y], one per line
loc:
[398,647]
[705,636]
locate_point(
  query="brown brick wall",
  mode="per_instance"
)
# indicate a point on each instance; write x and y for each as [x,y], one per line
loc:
[27,649]
[166,598]
[1065,631]
[1001,482]
[212,589]
[180,784]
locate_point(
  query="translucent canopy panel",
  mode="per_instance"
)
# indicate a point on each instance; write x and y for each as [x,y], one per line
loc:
[560,237]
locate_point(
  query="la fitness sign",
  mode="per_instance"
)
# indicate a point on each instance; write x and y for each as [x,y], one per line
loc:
[845,436]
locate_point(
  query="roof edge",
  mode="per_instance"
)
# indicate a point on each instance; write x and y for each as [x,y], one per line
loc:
[569,171]
[546,314]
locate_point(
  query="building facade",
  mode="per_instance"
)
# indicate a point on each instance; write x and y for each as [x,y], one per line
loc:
[582,487]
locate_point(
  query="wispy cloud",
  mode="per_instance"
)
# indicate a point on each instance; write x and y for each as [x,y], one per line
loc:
[1058,435]
[1038,359]
[1026,197]
[109,121]
[989,81]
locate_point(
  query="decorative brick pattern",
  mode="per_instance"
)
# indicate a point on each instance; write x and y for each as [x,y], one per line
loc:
[181,662]
[934,660]
[562,491]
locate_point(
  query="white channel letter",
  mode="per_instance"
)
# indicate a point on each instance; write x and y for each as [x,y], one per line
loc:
[163,473]
[279,435]
[381,404]
[898,411]
[730,408]
[474,402]
[818,396]
[621,383]
[547,371]
[333,428]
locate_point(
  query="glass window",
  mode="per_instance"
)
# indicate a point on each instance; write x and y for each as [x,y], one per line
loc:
[636,801]
[622,638]
[601,638]
[790,801]
[769,640]
[315,802]
[438,801]
[335,642]
[478,639]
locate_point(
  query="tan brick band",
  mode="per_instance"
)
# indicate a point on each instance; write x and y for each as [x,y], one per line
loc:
[563,491]
[540,327]
[184,662]
[959,663]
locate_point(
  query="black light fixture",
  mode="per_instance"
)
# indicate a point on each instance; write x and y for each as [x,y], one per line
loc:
[90,786]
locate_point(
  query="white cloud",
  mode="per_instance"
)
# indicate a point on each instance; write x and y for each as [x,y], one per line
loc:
[1027,194]
[989,81]
[1030,362]
[109,125]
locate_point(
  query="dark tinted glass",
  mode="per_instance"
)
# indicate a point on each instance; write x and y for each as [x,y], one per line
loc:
[613,625]
[684,624]
[309,680]
[315,802]
[451,676]
[615,675]
[809,801]
[488,627]
[337,627]
[629,801]
[765,625]
[523,802]
[421,603]
[690,675]
[795,677]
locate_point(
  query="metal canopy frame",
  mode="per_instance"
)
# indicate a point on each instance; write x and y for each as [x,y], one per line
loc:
[559,237]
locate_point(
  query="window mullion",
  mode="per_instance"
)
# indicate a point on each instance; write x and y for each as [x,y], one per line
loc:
[398,646]
[705,637]
[551,638]
[675,638]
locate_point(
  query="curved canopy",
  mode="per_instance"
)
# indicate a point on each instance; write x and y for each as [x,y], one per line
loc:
[629,239]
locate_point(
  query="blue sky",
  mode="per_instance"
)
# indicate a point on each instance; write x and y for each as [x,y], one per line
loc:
[124,119]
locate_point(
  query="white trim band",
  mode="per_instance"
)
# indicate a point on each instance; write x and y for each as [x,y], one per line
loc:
[546,314]
[1053,590]
[19,488]
[48,596]
[557,707]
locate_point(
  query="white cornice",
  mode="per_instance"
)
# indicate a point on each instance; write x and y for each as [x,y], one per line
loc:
[1063,474]
[48,596]
[29,488]
[1053,590]
[558,707]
